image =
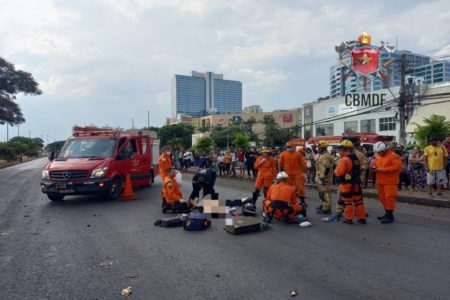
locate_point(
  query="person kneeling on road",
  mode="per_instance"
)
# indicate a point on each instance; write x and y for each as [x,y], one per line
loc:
[203,180]
[172,197]
[281,202]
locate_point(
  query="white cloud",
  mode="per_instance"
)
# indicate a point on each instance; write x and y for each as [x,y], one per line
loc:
[120,55]
[162,98]
[52,85]
[260,78]
[443,53]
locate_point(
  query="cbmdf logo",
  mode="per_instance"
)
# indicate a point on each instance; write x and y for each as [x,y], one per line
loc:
[365,60]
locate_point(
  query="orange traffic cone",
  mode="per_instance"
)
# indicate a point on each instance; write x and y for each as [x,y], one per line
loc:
[128,193]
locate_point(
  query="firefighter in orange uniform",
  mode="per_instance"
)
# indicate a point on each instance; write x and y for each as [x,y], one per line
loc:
[281,201]
[267,171]
[348,172]
[294,164]
[164,163]
[387,167]
[172,197]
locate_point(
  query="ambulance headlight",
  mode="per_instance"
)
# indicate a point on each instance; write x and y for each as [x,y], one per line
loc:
[44,175]
[98,173]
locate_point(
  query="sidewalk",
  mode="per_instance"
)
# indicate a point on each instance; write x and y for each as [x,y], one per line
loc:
[421,198]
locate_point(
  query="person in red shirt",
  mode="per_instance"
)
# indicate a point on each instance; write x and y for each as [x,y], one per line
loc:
[241,162]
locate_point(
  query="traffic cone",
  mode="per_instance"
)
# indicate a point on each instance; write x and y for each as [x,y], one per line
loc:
[128,193]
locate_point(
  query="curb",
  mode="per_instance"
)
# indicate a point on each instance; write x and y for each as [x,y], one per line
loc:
[368,194]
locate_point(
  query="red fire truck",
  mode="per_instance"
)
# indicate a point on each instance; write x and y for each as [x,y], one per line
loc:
[367,139]
[97,161]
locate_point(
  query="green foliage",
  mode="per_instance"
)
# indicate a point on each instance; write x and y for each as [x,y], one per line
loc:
[170,132]
[175,143]
[6,152]
[275,135]
[241,141]
[204,144]
[203,129]
[436,126]
[223,136]
[12,82]
[19,146]
[55,146]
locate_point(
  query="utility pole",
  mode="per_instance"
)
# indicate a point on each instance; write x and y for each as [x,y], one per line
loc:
[7,132]
[402,102]
[148,119]
[18,130]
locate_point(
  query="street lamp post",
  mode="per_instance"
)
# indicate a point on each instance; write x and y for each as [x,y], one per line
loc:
[148,119]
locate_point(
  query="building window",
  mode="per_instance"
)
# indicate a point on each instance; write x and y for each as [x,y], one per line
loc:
[387,124]
[324,129]
[351,127]
[368,125]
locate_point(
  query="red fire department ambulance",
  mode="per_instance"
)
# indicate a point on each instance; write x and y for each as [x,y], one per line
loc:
[367,139]
[97,161]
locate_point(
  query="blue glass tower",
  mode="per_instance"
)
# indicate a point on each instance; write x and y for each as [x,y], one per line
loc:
[205,93]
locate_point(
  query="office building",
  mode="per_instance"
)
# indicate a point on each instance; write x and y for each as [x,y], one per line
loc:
[205,93]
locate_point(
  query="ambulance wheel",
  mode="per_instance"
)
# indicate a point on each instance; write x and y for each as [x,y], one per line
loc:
[55,197]
[116,188]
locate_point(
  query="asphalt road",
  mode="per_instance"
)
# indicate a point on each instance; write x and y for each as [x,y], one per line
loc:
[89,248]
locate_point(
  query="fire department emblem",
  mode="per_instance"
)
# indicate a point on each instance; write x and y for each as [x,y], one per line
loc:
[365,61]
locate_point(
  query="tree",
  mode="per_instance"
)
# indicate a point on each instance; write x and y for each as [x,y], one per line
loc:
[169,132]
[204,144]
[275,135]
[55,146]
[222,136]
[175,143]
[436,126]
[241,141]
[12,82]
[295,130]
[6,152]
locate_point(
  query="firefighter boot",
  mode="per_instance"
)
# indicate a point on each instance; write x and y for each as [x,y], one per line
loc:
[255,196]
[383,216]
[389,218]
[303,202]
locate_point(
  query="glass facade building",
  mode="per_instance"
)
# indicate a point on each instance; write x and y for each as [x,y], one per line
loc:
[437,71]
[205,93]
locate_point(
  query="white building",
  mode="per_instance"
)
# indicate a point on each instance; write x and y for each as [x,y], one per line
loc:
[253,109]
[374,111]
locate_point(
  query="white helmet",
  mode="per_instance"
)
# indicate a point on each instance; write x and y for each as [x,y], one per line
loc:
[379,146]
[282,175]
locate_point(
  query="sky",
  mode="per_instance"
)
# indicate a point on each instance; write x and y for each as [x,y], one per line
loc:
[109,62]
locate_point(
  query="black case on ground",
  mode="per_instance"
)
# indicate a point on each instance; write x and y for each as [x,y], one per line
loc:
[240,225]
